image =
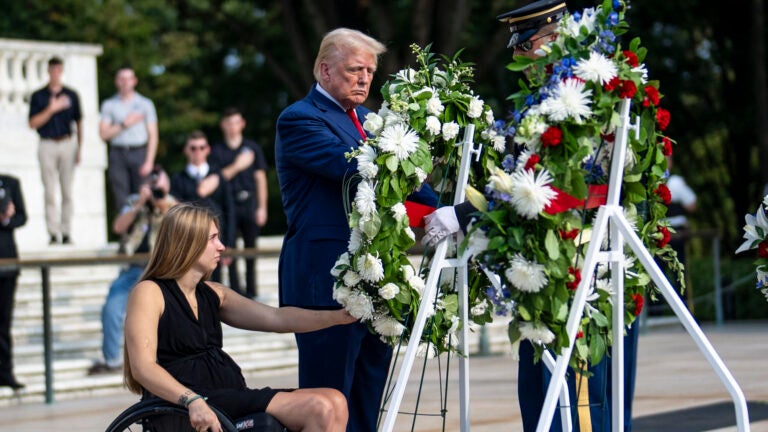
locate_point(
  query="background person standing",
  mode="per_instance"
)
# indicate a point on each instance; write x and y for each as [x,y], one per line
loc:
[129,124]
[243,165]
[52,111]
[12,215]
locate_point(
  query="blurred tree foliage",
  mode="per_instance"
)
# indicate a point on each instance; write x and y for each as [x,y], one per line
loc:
[196,57]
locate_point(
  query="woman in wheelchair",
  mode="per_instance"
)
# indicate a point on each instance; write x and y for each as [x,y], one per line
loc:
[173,334]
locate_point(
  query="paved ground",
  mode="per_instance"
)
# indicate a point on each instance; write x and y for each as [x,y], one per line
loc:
[676,390]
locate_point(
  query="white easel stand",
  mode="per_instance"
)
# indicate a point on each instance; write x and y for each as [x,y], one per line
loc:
[611,216]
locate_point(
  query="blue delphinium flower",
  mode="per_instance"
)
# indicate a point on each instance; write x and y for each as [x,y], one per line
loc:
[613,19]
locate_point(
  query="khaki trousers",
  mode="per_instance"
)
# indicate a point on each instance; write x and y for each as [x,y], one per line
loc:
[57,167]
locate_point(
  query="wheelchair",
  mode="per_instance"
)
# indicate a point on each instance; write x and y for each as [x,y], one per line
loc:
[157,415]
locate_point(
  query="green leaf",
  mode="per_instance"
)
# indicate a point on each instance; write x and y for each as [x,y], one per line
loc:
[392,163]
[600,319]
[551,243]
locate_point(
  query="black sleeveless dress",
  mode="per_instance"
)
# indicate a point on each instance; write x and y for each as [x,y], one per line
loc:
[190,349]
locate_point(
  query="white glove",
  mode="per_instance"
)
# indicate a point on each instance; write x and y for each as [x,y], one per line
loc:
[438,225]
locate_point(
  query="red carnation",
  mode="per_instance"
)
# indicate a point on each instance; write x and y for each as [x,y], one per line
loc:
[665,236]
[762,249]
[608,137]
[667,151]
[662,118]
[552,136]
[663,192]
[612,84]
[651,96]
[532,161]
[569,235]
[631,58]
[580,334]
[576,273]
[639,300]
[627,89]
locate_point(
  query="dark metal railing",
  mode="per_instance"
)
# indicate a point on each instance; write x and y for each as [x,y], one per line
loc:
[45,265]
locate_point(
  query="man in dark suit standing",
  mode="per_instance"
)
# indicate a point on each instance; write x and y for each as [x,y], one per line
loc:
[12,215]
[312,136]
[190,185]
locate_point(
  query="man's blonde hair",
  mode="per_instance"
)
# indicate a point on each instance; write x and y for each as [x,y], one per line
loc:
[341,41]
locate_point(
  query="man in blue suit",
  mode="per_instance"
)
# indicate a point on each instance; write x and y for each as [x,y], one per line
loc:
[312,136]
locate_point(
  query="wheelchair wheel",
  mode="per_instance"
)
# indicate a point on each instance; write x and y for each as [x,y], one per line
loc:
[160,416]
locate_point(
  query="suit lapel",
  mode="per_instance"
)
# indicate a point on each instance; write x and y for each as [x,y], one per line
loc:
[335,114]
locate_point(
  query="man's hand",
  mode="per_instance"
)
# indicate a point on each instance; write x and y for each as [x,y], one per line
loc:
[60,103]
[438,225]
[133,118]
[261,216]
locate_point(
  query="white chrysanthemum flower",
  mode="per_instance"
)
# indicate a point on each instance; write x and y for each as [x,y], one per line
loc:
[604,284]
[450,130]
[569,99]
[531,192]
[535,333]
[455,322]
[435,106]
[390,117]
[597,68]
[341,294]
[342,260]
[388,326]
[389,291]
[373,123]
[427,350]
[489,117]
[351,278]
[479,309]
[421,175]
[527,276]
[359,305]
[398,210]
[355,240]
[433,125]
[451,341]
[475,108]
[400,140]
[417,283]
[366,162]
[365,199]
[370,268]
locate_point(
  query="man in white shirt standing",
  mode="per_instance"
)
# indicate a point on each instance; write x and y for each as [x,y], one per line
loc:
[129,124]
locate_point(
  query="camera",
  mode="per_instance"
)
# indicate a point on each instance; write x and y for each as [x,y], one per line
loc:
[5,199]
[157,191]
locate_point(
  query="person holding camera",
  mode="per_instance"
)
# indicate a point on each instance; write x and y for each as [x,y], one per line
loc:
[137,223]
[12,216]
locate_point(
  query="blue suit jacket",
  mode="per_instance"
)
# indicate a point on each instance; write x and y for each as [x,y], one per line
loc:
[312,136]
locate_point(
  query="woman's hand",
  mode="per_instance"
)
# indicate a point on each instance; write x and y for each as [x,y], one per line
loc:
[202,417]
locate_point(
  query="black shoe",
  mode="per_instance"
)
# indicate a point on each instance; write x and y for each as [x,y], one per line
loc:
[54,240]
[101,368]
[66,240]
[12,383]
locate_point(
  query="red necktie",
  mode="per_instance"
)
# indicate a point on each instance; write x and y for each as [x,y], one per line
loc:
[353,115]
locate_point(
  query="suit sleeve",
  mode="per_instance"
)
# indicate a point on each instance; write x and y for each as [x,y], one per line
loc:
[20,217]
[310,142]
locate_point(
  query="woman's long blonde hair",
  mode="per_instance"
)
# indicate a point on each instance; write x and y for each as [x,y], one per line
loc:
[181,240]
